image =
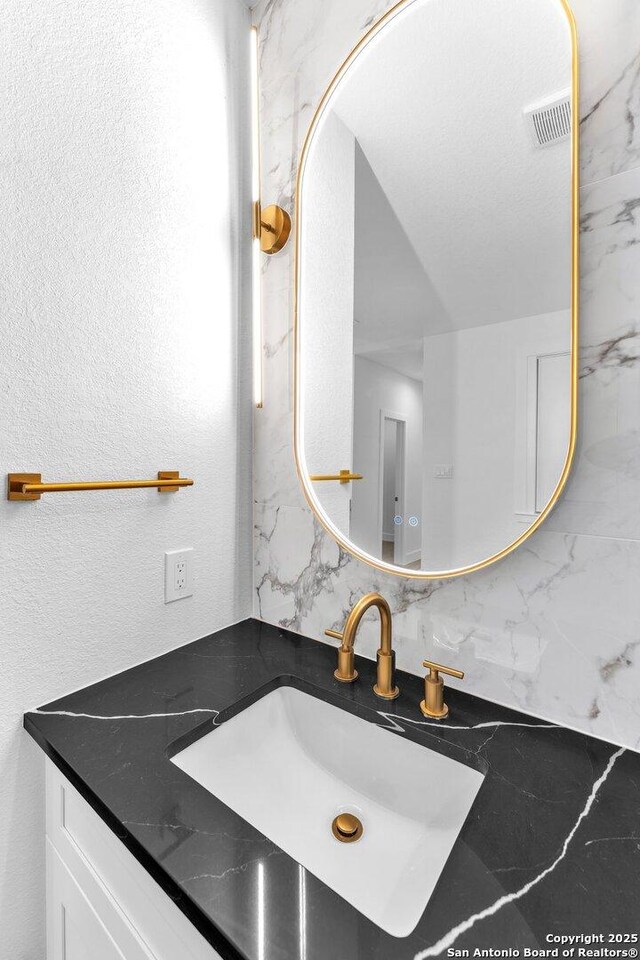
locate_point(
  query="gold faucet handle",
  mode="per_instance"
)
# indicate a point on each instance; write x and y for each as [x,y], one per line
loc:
[346,671]
[437,668]
[433,704]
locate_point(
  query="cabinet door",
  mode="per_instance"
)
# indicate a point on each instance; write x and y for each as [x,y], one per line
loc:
[136,914]
[74,930]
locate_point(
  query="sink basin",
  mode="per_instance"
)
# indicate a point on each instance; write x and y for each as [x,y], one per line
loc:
[291,763]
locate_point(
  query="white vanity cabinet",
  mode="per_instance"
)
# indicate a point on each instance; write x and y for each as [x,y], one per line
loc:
[101,903]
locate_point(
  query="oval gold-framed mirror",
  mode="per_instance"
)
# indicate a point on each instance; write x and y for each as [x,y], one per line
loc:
[436,285]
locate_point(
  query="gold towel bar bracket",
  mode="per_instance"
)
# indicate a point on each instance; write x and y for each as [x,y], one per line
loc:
[29,486]
[345,476]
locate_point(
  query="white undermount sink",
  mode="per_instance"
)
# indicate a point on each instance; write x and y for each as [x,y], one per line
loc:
[290,763]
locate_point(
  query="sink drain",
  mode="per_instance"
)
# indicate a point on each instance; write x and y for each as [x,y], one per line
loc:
[347,828]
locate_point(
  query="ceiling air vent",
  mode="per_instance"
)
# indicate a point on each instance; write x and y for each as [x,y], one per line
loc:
[550,120]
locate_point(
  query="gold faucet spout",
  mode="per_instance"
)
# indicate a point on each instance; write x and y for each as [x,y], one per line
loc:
[385,686]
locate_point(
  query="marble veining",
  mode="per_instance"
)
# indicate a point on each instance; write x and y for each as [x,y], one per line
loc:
[126,716]
[450,938]
[621,100]
[394,722]
[552,629]
[620,351]
[304,587]
[555,806]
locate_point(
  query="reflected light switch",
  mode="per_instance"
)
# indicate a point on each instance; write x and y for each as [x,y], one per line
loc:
[443,471]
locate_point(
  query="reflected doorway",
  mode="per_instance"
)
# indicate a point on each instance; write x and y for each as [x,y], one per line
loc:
[392,488]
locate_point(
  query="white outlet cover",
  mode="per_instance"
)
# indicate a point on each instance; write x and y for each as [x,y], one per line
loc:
[178,570]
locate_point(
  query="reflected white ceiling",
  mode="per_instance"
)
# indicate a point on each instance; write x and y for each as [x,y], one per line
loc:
[395,303]
[406,358]
[471,222]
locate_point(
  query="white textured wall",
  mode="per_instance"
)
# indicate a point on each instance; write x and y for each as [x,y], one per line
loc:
[476,420]
[122,158]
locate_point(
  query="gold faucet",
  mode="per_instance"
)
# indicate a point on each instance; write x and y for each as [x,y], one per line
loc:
[346,672]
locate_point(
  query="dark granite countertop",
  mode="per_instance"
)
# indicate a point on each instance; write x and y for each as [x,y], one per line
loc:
[551,846]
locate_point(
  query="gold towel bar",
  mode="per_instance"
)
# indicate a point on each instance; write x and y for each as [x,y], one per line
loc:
[29,486]
[345,476]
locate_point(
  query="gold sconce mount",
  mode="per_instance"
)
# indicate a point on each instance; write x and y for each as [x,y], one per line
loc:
[272,226]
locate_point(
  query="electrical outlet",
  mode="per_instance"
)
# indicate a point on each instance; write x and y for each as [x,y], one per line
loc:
[177,574]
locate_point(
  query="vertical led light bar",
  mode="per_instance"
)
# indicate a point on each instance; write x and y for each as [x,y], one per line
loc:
[302,898]
[261,913]
[255,196]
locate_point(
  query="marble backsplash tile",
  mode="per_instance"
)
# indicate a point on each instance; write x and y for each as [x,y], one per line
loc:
[608,36]
[603,493]
[552,630]
[555,628]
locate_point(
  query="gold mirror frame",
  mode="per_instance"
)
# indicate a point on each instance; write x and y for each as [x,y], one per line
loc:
[303,474]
